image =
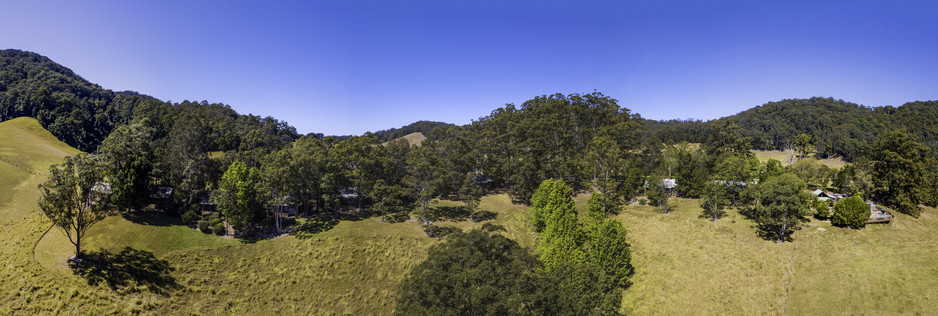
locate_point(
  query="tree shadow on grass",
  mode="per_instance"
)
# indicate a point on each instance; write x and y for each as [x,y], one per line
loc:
[153,218]
[449,213]
[128,271]
[313,226]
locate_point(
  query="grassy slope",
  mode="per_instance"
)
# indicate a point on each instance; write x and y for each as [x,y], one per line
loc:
[414,139]
[833,163]
[686,265]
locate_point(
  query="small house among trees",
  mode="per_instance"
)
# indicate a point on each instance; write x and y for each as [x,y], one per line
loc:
[828,196]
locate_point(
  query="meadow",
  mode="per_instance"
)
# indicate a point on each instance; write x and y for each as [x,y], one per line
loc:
[684,264]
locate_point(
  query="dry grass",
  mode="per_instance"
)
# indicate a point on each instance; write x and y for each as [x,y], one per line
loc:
[686,265]
[764,155]
[413,139]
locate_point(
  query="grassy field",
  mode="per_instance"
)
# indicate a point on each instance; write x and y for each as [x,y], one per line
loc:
[764,155]
[414,139]
[684,264]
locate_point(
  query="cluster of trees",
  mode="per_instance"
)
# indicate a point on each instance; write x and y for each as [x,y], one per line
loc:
[580,267]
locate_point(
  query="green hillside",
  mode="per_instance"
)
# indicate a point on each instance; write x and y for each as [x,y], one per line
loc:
[353,268]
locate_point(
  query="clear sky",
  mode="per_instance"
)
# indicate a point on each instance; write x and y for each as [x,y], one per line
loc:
[346,67]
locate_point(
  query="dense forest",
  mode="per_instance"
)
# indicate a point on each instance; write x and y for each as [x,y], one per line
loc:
[837,127]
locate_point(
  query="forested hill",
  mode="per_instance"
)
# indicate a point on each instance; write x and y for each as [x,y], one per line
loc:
[837,127]
[83,114]
[423,127]
[76,111]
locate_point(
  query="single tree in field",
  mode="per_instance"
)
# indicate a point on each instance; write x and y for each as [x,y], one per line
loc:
[127,159]
[237,194]
[781,204]
[900,165]
[74,197]
[714,200]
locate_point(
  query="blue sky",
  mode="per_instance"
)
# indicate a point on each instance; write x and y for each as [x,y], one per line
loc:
[346,67]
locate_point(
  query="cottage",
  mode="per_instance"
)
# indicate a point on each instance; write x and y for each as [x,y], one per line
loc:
[828,196]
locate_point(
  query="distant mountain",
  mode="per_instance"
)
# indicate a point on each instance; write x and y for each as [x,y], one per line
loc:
[839,128]
[83,114]
[423,127]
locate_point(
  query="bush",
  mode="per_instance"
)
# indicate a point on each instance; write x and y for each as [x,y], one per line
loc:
[190,216]
[642,202]
[851,212]
[822,210]
[219,229]
[205,226]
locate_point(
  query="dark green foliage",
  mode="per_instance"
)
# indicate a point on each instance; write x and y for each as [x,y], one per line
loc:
[851,212]
[473,273]
[608,250]
[519,148]
[900,166]
[190,216]
[822,210]
[484,273]
[205,226]
[76,111]
[780,204]
[219,229]
[127,157]
[690,171]
[580,289]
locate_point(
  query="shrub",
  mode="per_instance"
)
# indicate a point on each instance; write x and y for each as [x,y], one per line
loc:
[822,210]
[190,216]
[642,202]
[219,229]
[205,226]
[851,212]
